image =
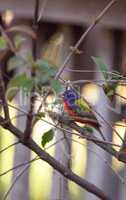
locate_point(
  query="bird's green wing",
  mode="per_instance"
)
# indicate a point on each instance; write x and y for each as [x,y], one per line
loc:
[82,105]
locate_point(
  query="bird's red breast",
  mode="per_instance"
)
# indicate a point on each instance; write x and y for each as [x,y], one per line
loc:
[69,110]
[79,119]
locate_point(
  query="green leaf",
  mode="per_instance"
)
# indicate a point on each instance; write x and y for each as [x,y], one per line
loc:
[56,85]
[42,78]
[3,43]
[15,62]
[47,137]
[110,93]
[109,90]
[18,80]
[88,129]
[16,83]
[11,93]
[18,40]
[52,72]
[40,115]
[103,68]
[46,71]
[44,65]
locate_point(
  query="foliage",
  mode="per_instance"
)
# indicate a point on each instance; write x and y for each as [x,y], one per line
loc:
[3,43]
[47,137]
[111,78]
[101,66]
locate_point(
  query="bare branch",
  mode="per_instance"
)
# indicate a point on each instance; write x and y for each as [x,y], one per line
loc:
[15,181]
[105,161]
[66,172]
[121,96]
[3,101]
[94,23]
[30,161]
[18,166]
[11,145]
[54,163]
[41,14]
[9,42]
[120,82]
[69,119]
[88,137]
[103,144]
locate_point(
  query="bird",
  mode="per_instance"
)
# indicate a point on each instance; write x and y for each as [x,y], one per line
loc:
[77,108]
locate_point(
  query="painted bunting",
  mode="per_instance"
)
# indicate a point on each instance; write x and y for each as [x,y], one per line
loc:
[79,109]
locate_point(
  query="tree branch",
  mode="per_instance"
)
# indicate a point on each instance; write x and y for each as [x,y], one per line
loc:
[18,166]
[3,102]
[6,148]
[30,161]
[94,23]
[53,162]
[15,181]
[67,121]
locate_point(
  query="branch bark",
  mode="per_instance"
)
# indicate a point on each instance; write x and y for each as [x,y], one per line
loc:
[84,35]
[67,121]
[3,98]
[53,162]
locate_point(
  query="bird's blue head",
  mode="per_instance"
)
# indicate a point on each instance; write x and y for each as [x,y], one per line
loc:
[70,96]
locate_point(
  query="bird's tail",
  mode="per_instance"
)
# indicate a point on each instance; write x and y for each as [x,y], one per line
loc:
[91,122]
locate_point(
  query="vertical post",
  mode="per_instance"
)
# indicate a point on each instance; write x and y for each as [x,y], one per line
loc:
[63,149]
[121,188]
[22,154]
[28,129]
[97,171]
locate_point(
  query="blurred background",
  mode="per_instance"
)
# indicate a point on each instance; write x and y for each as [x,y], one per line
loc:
[107,41]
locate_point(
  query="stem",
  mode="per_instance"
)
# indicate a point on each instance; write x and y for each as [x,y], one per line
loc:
[2,97]
[84,35]
[54,163]
[28,130]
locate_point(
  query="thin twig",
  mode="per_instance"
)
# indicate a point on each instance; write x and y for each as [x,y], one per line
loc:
[117,124]
[120,82]
[90,138]
[18,166]
[100,115]
[121,96]
[94,71]
[44,120]
[9,42]
[3,101]
[109,125]
[25,169]
[11,145]
[41,13]
[14,182]
[30,161]
[54,163]
[105,161]
[94,23]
